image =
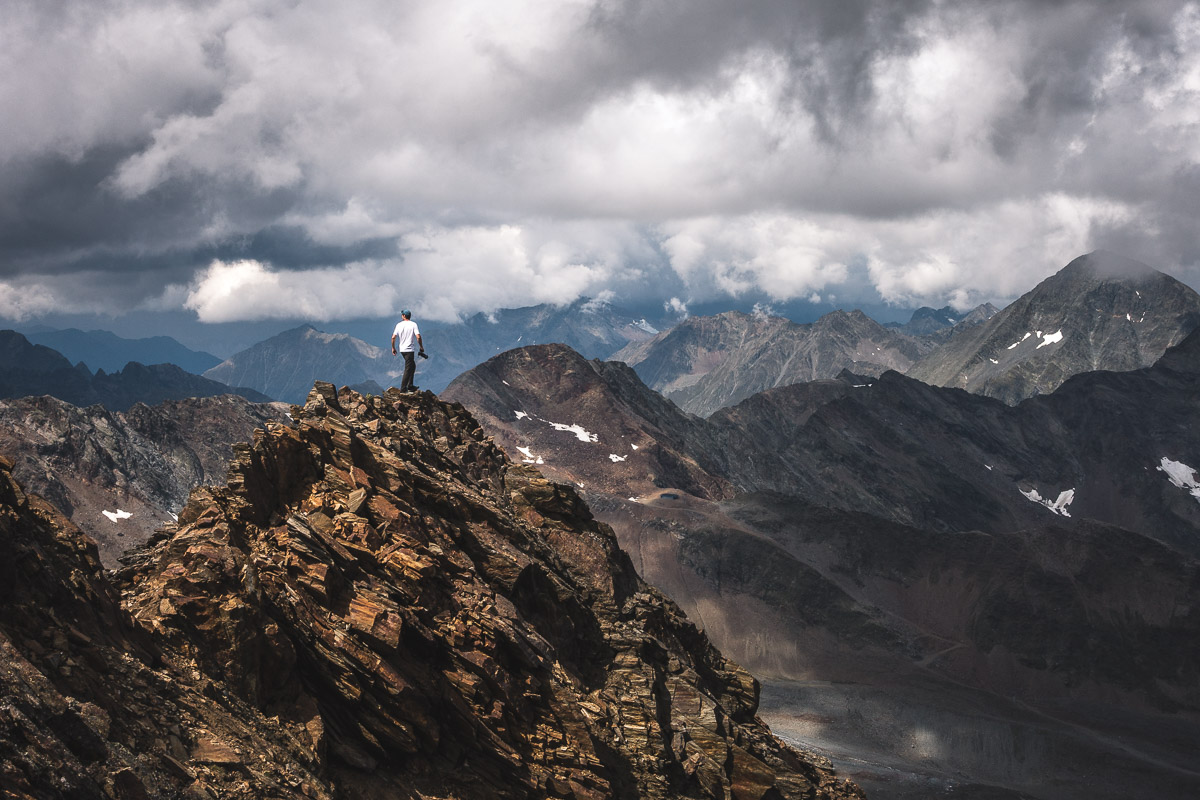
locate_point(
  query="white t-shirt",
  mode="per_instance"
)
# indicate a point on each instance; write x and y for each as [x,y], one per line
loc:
[406,334]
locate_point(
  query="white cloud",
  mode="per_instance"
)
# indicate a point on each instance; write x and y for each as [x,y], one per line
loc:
[518,152]
[780,254]
[676,306]
[248,290]
[444,273]
[20,303]
[958,257]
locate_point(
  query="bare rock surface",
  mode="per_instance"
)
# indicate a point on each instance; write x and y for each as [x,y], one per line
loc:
[377,604]
[94,707]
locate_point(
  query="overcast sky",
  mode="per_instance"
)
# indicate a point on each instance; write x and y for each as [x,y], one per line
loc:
[257,159]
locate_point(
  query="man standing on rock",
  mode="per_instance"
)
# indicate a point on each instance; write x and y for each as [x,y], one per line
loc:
[406,335]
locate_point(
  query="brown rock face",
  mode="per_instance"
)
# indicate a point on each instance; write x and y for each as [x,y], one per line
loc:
[422,618]
[93,707]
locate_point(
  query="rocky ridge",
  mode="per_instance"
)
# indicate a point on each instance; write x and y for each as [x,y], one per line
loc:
[94,707]
[423,618]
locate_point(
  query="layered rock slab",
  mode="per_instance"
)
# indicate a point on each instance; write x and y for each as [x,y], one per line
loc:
[91,706]
[439,622]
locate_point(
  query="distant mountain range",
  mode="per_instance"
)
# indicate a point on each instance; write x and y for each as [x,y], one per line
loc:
[898,449]
[104,350]
[30,369]
[916,542]
[706,363]
[285,366]
[1099,312]
[939,322]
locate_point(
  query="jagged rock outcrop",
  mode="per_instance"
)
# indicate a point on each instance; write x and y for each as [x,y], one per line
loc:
[120,476]
[94,707]
[707,363]
[427,619]
[1101,311]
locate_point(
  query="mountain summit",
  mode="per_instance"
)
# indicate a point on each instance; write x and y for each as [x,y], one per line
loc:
[1101,311]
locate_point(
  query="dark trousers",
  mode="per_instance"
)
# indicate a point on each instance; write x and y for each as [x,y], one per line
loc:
[410,369]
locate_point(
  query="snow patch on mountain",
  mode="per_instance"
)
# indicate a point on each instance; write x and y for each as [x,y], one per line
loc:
[615,458]
[646,326]
[520,414]
[1023,338]
[530,458]
[1050,338]
[1058,506]
[113,516]
[1179,474]
[578,430]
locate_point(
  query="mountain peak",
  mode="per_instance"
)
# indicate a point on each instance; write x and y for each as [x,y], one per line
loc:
[1101,311]
[1106,265]
[380,574]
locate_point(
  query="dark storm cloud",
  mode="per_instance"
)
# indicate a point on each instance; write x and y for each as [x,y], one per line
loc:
[243,155]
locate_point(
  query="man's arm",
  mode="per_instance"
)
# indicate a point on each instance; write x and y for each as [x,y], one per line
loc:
[420,343]
[393,344]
